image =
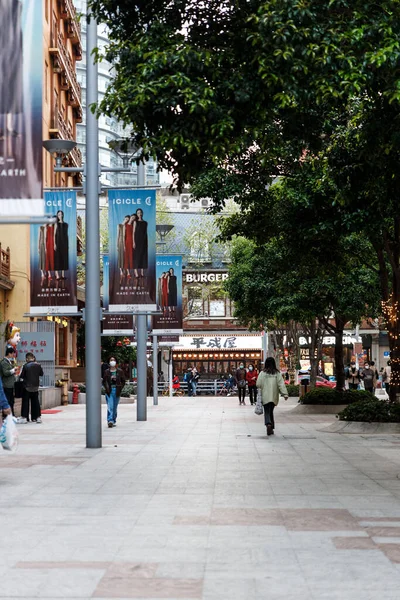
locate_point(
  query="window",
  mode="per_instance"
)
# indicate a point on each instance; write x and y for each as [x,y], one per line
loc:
[217,302]
[195,305]
[199,248]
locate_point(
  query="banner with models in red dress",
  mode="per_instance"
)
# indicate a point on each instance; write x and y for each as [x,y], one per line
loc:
[132,250]
[53,257]
[169,295]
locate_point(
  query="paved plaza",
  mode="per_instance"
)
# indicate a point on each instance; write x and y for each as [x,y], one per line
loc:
[198,504]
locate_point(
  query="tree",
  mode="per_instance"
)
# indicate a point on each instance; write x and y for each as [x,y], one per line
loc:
[307,269]
[246,86]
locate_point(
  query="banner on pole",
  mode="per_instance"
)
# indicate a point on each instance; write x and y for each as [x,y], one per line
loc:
[21,66]
[169,295]
[53,257]
[118,324]
[132,250]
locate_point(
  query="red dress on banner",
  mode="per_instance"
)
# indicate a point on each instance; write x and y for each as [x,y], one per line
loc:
[49,248]
[128,250]
[165,291]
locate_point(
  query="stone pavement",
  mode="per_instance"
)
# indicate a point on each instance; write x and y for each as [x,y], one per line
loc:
[198,504]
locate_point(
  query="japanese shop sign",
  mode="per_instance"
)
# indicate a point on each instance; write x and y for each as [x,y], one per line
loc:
[41,344]
[220,342]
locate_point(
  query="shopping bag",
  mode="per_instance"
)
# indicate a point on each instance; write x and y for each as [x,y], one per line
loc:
[11,434]
[259,410]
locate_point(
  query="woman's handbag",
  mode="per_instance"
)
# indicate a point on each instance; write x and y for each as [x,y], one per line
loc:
[241,383]
[259,409]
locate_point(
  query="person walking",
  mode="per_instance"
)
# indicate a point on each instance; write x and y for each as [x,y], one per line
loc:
[30,377]
[386,379]
[240,376]
[270,383]
[8,372]
[113,383]
[188,380]
[353,376]
[368,376]
[195,379]
[251,378]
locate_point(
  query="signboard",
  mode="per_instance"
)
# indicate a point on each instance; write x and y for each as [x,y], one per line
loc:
[328,340]
[386,354]
[21,66]
[220,342]
[132,250]
[53,257]
[118,324]
[169,295]
[41,344]
[204,277]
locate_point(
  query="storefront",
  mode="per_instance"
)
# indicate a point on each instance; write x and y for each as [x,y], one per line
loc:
[216,355]
[352,349]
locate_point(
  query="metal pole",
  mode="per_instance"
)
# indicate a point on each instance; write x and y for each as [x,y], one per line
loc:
[265,344]
[141,338]
[92,285]
[155,370]
[141,362]
[170,370]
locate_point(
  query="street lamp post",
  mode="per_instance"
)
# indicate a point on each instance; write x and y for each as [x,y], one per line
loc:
[92,229]
[92,171]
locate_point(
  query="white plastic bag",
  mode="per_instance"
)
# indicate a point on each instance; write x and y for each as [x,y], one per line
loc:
[259,410]
[11,434]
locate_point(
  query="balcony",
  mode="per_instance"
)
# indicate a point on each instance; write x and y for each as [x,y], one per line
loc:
[62,64]
[68,13]
[5,281]
[62,130]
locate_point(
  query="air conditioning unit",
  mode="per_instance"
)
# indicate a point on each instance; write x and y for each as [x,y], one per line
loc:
[205,203]
[185,201]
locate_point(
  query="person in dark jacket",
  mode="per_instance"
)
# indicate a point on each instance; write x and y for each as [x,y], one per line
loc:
[30,377]
[368,376]
[113,382]
[8,372]
[240,376]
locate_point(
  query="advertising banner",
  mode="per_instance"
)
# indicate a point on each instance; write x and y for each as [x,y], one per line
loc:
[117,324]
[21,66]
[132,250]
[53,257]
[169,295]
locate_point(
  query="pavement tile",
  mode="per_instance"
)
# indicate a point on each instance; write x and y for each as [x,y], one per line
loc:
[197,503]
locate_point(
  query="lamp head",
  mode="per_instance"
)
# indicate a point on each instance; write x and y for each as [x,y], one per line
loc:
[59,148]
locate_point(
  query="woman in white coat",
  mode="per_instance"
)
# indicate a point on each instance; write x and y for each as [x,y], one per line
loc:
[270,383]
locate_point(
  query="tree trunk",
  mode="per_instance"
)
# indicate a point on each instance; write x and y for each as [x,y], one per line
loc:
[316,333]
[339,362]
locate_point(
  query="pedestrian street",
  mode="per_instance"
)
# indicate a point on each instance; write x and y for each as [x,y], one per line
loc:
[198,503]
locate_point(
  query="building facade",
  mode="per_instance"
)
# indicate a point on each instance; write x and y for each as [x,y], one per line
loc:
[109,128]
[61,111]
